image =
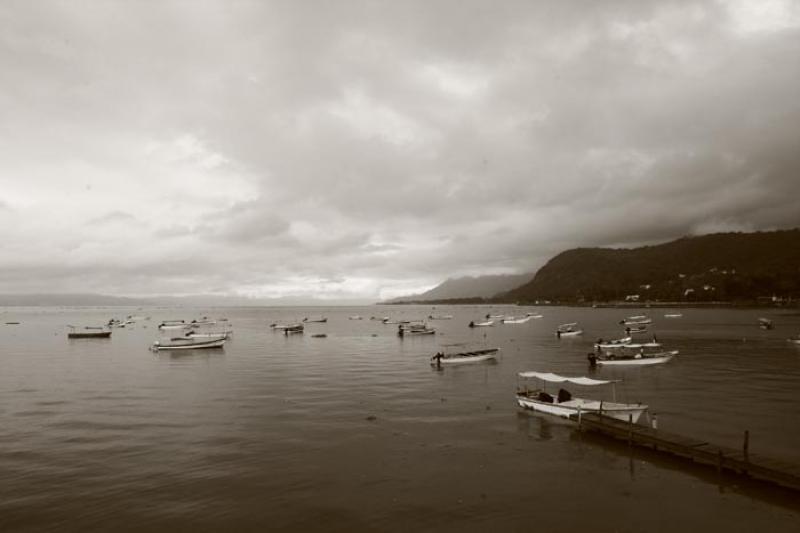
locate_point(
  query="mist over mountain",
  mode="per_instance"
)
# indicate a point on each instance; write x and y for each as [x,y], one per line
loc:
[717,267]
[468,287]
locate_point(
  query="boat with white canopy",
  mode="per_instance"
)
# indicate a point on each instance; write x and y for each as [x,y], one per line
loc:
[639,358]
[565,405]
[456,354]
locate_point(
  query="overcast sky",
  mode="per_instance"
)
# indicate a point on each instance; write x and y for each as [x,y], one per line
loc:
[368,149]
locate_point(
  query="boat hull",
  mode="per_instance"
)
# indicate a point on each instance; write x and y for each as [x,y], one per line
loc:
[95,335]
[217,343]
[575,406]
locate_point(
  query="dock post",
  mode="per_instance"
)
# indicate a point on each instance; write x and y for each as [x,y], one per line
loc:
[746,448]
[630,429]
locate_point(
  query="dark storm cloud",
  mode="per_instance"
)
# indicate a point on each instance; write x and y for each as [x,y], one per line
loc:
[364,148]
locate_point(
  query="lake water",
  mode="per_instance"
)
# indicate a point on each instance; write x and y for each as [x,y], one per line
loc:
[357,432]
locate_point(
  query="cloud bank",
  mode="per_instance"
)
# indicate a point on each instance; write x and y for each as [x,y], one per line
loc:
[365,149]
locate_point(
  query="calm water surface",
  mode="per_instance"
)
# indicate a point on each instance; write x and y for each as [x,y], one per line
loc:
[357,432]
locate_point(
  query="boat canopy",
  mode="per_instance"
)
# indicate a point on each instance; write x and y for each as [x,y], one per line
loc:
[555,378]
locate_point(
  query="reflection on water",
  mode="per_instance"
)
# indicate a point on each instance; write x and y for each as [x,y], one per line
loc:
[358,431]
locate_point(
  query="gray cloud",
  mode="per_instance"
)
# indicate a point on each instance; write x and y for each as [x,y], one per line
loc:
[344,149]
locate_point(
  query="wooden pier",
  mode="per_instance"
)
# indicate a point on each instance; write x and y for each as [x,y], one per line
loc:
[740,462]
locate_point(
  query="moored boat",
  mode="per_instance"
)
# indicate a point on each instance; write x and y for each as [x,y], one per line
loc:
[321,320]
[184,343]
[516,320]
[611,344]
[415,329]
[89,332]
[565,405]
[440,317]
[568,330]
[639,358]
[483,324]
[456,354]
[765,323]
[673,315]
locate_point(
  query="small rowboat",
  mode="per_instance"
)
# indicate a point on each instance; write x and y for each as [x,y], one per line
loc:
[208,335]
[321,320]
[632,359]
[182,343]
[616,343]
[515,320]
[568,330]
[89,332]
[487,323]
[673,315]
[440,317]
[415,329]
[462,357]
[534,315]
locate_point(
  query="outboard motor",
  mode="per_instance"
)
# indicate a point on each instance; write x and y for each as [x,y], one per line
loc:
[564,395]
[472,323]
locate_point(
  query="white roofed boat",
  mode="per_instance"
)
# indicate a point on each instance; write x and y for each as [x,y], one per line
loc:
[567,406]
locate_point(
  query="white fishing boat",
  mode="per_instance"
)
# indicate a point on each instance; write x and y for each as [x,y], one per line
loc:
[612,344]
[320,320]
[173,326]
[208,334]
[639,345]
[516,320]
[795,339]
[354,317]
[534,315]
[483,324]
[457,354]
[415,329]
[296,328]
[89,332]
[636,320]
[284,327]
[673,315]
[184,343]
[765,323]
[568,330]
[495,316]
[636,330]
[639,358]
[565,405]
[440,317]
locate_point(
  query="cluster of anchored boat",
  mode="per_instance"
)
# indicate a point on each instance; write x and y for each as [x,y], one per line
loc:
[623,351]
[196,334]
